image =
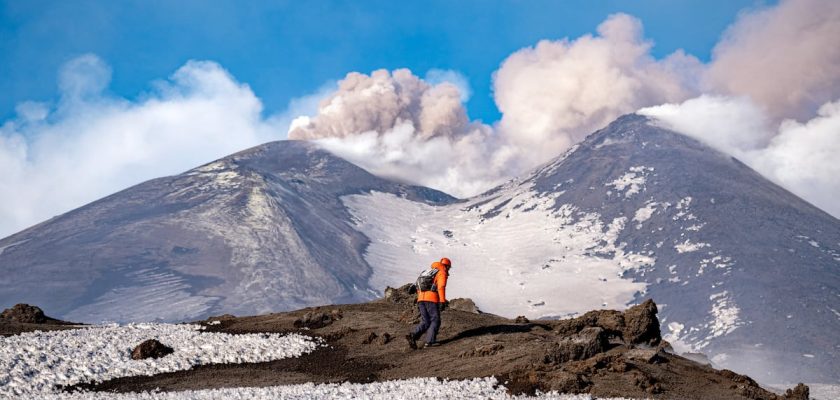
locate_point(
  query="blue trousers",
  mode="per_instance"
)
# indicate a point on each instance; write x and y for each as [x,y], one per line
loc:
[430,321]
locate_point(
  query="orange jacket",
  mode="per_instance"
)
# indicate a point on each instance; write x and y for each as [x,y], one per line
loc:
[440,281]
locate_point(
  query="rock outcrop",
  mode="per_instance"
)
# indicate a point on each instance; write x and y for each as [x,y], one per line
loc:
[638,325]
[151,348]
[24,313]
[604,353]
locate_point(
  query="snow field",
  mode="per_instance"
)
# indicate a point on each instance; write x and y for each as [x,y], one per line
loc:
[32,364]
[418,388]
[520,253]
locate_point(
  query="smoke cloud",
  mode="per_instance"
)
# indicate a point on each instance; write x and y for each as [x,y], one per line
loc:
[382,100]
[555,93]
[785,58]
[772,67]
[54,158]
[402,127]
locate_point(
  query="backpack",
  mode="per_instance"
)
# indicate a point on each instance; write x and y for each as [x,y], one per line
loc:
[426,280]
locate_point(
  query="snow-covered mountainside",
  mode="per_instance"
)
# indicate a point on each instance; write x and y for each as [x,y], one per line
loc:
[259,231]
[742,269]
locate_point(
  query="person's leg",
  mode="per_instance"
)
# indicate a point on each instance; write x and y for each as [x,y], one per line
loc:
[425,320]
[434,322]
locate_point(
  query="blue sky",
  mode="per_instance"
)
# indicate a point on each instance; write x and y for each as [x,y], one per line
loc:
[288,49]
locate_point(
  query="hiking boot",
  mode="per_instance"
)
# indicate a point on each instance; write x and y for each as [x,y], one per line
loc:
[411,342]
[427,345]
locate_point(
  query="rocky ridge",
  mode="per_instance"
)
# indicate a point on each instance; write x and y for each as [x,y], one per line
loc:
[604,353]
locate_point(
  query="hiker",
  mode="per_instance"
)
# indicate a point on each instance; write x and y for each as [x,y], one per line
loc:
[431,302]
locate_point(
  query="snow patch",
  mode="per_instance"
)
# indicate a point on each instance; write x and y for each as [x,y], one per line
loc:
[643,214]
[633,181]
[34,363]
[724,313]
[687,246]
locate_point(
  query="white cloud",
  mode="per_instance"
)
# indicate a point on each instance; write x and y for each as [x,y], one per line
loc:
[801,157]
[730,124]
[90,145]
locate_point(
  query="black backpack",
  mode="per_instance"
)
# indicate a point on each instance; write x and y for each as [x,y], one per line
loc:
[426,281]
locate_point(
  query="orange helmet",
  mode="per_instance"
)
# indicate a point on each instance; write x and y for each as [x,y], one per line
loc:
[445,261]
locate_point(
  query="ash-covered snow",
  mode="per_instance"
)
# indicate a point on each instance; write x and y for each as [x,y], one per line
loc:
[418,388]
[725,316]
[643,214]
[632,181]
[32,364]
[687,246]
[518,252]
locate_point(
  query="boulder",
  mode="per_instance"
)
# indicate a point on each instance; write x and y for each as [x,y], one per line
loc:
[150,349]
[24,313]
[641,325]
[585,344]
[521,320]
[400,295]
[649,356]
[317,319]
[636,325]
[465,305]
[800,392]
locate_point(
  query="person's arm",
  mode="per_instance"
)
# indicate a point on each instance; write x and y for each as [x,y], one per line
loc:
[441,286]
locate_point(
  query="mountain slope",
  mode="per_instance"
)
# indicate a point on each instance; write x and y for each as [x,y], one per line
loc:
[738,264]
[261,230]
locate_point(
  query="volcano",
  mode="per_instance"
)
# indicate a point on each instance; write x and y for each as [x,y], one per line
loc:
[742,270]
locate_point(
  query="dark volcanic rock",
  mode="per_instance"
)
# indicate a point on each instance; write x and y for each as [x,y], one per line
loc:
[800,392]
[357,349]
[151,349]
[315,320]
[400,295]
[587,343]
[24,313]
[636,325]
[641,324]
[466,305]
[649,356]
